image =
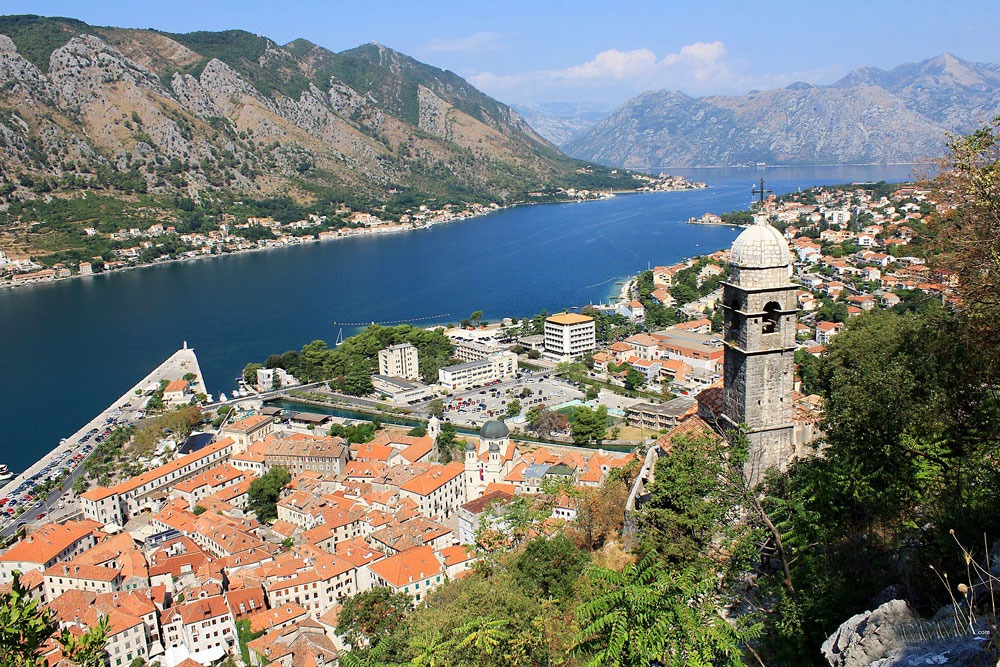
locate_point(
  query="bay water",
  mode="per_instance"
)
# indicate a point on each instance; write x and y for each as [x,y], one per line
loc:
[67,349]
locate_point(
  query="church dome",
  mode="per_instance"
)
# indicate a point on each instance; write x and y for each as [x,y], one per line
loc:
[494,448]
[469,447]
[760,246]
[494,429]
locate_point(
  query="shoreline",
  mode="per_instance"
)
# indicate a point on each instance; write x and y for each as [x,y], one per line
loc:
[177,364]
[396,229]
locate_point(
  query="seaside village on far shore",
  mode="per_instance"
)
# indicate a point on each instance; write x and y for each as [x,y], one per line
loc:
[176,562]
[159,242]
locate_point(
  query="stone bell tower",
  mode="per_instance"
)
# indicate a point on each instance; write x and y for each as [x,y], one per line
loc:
[760,306]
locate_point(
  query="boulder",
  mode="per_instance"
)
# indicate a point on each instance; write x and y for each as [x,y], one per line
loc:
[893,636]
[870,636]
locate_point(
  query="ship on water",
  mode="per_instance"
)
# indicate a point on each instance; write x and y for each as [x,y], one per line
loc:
[5,474]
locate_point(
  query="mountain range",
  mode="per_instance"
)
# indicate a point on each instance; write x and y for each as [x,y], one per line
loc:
[869,116]
[222,116]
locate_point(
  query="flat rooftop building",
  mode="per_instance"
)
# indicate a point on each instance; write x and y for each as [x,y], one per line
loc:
[569,335]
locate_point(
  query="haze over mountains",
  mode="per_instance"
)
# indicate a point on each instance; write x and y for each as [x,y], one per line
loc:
[869,116]
[185,115]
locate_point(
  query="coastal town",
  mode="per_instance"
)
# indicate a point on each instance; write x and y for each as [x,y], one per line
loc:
[242,535]
[162,242]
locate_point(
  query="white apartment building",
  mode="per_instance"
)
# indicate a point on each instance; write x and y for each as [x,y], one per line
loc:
[569,335]
[117,504]
[204,624]
[399,361]
[497,366]
[318,586]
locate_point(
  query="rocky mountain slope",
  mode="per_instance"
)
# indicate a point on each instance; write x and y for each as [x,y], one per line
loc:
[560,122]
[869,116]
[220,116]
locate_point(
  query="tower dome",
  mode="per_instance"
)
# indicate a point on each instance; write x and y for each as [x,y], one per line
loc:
[494,429]
[494,448]
[760,257]
[760,246]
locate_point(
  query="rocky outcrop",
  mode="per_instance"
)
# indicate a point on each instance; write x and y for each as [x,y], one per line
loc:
[179,114]
[893,636]
[870,116]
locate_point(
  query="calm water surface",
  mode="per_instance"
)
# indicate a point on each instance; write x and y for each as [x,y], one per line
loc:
[70,348]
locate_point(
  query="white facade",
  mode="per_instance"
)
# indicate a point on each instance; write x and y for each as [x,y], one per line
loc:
[497,366]
[569,336]
[399,361]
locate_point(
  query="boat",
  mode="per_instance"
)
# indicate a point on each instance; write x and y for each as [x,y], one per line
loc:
[5,473]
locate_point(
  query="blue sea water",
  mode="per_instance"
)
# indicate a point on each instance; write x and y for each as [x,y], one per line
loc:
[68,349]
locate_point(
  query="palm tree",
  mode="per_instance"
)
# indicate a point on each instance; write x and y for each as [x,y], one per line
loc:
[651,616]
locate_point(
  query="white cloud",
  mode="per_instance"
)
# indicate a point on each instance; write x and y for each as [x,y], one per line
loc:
[480,42]
[613,64]
[702,63]
[700,68]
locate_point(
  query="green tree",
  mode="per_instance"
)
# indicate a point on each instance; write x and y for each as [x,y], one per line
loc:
[482,636]
[808,368]
[436,407]
[250,374]
[549,567]
[513,408]
[355,433]
[683,293]
[685,507]
[87,650]
[447,441]
[370,617]
[588,427]
[430,649]
[968,234]
[265,491]
[647,615]
[25,626]
[634,379]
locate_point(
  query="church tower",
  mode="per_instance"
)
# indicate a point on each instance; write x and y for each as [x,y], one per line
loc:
[760,306]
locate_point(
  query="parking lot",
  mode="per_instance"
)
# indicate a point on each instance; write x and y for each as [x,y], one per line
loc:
[67,460]
[492,401]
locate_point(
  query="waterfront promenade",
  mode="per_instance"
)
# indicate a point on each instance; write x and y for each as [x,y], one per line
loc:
[122,412]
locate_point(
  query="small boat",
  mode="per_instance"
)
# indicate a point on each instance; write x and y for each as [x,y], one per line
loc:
[4,472]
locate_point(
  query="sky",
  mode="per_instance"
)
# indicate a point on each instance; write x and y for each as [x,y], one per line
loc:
[596,54]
